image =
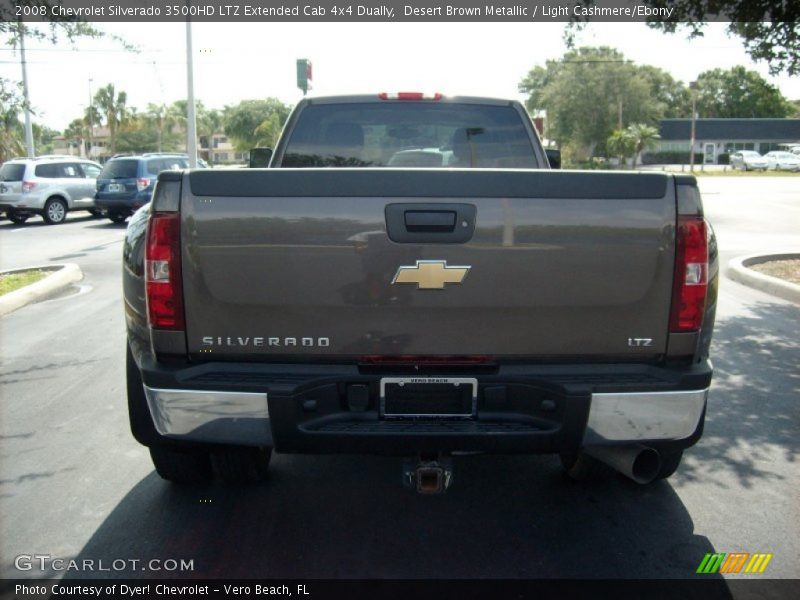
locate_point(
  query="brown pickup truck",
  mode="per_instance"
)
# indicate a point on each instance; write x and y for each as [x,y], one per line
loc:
[411,277]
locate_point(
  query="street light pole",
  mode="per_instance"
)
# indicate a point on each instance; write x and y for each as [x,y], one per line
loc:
[191,118]
[693,88]
[91,120]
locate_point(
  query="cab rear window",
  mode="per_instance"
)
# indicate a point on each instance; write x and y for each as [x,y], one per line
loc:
[12,172]
[409,134]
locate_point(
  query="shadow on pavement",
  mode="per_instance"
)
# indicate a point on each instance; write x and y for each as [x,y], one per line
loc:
[752,417]
[505,517]
[349,517]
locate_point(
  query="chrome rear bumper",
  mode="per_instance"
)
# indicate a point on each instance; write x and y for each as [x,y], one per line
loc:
[243,417]
[643,416]
[210,417]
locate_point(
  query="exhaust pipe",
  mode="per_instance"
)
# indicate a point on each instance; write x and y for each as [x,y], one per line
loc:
[635,462]
[429,475]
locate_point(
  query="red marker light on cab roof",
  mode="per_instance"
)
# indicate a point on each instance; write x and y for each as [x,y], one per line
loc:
[409,96]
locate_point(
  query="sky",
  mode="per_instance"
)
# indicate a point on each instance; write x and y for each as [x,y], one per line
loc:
[237,61]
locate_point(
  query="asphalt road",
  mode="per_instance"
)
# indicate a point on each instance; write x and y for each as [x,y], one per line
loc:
[74,484]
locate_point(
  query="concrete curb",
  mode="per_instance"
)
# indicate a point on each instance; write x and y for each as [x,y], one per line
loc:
[61,277]
[738,271]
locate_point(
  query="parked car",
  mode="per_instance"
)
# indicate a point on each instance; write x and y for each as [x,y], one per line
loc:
[49,185]
[421,157]
[748,160]
[783,161]
[126,182]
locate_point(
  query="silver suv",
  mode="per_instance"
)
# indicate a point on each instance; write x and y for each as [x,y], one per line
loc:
[49,186]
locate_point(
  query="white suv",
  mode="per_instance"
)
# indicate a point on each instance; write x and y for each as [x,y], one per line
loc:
[49,186]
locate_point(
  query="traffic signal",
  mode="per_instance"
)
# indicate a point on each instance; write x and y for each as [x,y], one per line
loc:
[304,74]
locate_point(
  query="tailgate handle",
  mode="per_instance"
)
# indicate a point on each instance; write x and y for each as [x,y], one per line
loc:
[430,221]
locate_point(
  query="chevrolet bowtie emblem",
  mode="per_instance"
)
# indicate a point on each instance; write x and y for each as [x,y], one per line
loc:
[430,274]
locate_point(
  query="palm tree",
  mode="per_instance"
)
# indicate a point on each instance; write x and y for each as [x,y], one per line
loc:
[11,143]
[113,106]
[209,122]
[76,132]
[11,104]
[644,137]
[621,144]
[162,118]
[91,118]
[268,131]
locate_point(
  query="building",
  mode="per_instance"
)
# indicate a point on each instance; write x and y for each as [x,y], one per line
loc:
[218,152]
[715,139]
[98,150]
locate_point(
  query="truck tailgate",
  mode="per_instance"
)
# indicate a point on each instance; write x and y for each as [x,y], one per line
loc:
[284,262]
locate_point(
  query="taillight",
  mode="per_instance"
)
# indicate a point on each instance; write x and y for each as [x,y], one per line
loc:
[142,183]
[27,186]
[690,283]
[162,275]
[409,96]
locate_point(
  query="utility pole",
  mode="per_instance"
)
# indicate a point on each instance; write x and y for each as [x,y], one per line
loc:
[191,118]
[25,95]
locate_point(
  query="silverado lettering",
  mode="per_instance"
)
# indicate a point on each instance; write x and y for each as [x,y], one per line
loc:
[258,341]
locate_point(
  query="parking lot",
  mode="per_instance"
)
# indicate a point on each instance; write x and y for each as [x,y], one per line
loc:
[74,483]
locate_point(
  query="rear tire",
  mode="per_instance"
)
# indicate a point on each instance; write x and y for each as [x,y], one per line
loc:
[96,213]
[582,467]
[55,211]
[241,464]
[17,218]
[117,217]
[181,467]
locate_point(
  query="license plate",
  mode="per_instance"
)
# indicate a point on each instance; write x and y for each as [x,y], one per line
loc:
[116,187]
[413,397]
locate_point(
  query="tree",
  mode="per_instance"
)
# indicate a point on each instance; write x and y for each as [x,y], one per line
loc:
[586,95]
[269,131]
[11,104]
[209,122]
[643,137]
[673,97]
[242,121]
[136,137]
[43,137]
[161,119]
[76,132]
[180,111]
[114,108]
[621,144]
[738,93]
[13,32]
[769,30]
